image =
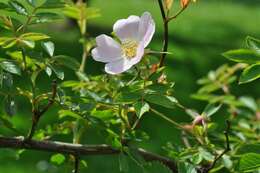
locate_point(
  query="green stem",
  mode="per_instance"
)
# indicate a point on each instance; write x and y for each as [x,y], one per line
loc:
[165,33]
[29,20]
[84,59]
[166,118]
[177,14]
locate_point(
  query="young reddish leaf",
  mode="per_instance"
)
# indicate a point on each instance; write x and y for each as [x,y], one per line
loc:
[184,3]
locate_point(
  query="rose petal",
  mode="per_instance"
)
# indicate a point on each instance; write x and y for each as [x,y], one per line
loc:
[117,66]
[127,28]
[146,28]
[107,50]
[125,63]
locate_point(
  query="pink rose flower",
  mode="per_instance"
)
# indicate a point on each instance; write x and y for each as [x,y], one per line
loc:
[134,33]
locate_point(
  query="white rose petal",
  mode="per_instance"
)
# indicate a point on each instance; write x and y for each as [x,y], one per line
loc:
[107,50]
[135,33]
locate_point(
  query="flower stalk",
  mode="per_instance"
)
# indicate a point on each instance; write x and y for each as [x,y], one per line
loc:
[166,19]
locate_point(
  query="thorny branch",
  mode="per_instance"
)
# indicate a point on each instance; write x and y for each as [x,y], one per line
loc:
[78,149]
[37,114]
[166,19]
[165,33]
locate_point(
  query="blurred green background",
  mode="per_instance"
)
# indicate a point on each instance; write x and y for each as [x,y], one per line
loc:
[197,39]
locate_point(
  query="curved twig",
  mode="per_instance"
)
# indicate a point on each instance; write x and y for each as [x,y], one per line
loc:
[78,149]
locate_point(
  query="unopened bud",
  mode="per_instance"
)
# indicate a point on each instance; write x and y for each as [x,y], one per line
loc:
[162,79]
[154,68]
[258,116]
[187,127]
[168,4]
[184,3]
[199,120]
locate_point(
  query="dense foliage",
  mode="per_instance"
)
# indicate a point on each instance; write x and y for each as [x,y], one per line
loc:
[114,105]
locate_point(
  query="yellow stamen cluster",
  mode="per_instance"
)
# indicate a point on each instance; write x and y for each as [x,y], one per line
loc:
[129,48]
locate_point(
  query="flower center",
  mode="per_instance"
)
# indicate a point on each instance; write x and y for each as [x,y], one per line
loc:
[129,48]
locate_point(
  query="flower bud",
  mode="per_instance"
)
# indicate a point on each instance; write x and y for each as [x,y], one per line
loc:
[162,79]
[187,127]
[199,120]
[154,68]
[168,4]
[258,116]
[184,3]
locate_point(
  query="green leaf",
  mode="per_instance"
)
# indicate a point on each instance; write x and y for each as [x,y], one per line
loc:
[3,6]
[70,84]
[211,109]
[72,11]
[32,2]
[34,76]
[113,139]
[227,99]
[129,97]
[82,12]
[48,71]
[82,76]
[28,43]
[159,89]
[227,162]
[58,71]
[10,105]
[103,114]
[156,167]
[92,12]
[58,159]
[34,36]
[18,7]
[53,4]
[67,61]
[250,73]
[249,162]
[192,113]
[249,148]
[7,42]
[84,163]
[10,66]
[48,47]
[196,158]
[243,56]
[205,154]
[36,3]
[46,17]
[141,108]
[186,168]
[162,100]
[7,123]
[249,102]
[253,43]
[134,155]
[68,113]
